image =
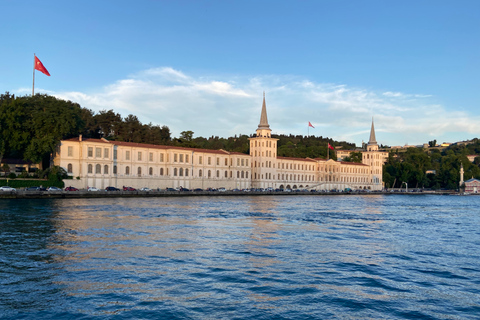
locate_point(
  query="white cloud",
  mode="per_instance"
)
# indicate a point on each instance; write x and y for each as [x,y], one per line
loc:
[224,107]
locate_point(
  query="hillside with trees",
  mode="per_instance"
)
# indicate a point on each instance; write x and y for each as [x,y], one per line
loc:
[411,167]
[31,127]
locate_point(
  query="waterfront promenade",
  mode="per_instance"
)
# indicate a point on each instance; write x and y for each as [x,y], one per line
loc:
[22,194]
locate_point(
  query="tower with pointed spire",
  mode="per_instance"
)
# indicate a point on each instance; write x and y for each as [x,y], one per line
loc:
[375,159]
[372,142]
[263,150]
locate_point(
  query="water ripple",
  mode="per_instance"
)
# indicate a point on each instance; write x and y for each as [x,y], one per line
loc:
[349,257]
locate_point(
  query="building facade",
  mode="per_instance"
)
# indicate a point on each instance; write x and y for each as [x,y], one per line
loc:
[472,186]
[101,163]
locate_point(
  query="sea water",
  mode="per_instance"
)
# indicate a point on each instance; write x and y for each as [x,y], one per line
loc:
[248,257]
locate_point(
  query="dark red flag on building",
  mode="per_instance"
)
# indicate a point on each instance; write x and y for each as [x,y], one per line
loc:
[310,125]
[330,147]
[39,66]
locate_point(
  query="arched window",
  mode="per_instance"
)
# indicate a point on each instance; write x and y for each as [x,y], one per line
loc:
[90,168]
[161,171]
[114,169]
[226,174]
[238,174]
[69,168]
[246,174]
[200,173]
[150,171]
[174,172]
[218,174]
[127,170]
[180,172]
[98,169]
[139,170]
[209,173]
[105,169]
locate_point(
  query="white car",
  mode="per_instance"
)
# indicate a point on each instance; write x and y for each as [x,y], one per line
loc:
[53,189]
[7,188]
[92,189]
[145,189]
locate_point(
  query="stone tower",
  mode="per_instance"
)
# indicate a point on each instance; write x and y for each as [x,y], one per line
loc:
[460,184]
[263,150]
[375,159]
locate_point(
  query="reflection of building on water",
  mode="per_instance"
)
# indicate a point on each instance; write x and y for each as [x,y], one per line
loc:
[102,163]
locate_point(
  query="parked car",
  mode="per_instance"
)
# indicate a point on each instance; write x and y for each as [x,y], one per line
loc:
[92,189]
[71,189]
[53,189]
[145,189]
[111,189]
[171,189]
[32,189]
[198,190]
[222,190]
[129,189]
[7,188]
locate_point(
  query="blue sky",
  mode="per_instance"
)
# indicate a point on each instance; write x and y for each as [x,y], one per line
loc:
[203,65]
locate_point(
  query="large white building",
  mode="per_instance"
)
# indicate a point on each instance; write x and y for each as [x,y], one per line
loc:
[101,163]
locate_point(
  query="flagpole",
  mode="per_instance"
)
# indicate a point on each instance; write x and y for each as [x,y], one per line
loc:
[33,85]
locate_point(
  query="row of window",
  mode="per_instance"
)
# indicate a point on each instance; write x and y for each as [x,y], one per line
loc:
[176,171]
[293,177]
[269,144]
[265,154]
[177,157]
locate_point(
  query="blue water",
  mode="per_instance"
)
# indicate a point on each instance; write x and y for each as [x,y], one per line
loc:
[265,257]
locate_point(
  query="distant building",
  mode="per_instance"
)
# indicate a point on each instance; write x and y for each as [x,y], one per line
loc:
[17,166]
[472,186]
[101,163]
[472,157]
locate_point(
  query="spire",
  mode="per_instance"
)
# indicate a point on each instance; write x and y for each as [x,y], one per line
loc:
[373,140]
[263,118]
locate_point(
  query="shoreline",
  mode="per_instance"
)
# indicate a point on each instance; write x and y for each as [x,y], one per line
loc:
[21,194]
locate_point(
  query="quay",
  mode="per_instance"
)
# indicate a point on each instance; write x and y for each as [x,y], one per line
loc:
[22,194]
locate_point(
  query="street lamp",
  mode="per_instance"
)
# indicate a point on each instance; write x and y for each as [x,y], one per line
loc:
[406,186]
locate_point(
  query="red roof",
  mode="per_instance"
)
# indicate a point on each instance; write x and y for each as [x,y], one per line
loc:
[155,146]
[295,159]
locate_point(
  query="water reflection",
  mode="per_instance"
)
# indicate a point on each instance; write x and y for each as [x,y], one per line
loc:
[320,257]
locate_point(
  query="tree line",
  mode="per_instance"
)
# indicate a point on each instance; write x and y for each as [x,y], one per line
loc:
[31,127]
[412,165]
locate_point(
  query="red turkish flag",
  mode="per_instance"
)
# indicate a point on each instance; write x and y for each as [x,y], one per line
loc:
[329,146]
[310,125]
[39,66]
